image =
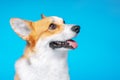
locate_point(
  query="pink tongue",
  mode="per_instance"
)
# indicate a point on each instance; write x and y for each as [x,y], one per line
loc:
[72,43]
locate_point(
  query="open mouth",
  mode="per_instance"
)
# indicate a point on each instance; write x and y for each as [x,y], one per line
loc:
[70,44]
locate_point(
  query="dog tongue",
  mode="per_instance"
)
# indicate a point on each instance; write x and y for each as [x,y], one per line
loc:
[72,43]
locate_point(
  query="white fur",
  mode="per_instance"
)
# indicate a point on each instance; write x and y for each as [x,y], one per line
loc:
[44,66]
[57,19]
[46,63]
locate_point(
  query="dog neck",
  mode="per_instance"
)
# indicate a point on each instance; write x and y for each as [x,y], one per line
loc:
[48,56]
[44,65]
[43,60]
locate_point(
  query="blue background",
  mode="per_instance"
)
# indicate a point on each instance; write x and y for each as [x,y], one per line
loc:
[98,54]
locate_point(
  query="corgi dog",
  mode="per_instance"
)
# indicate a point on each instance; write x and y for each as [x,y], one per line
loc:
[48,41]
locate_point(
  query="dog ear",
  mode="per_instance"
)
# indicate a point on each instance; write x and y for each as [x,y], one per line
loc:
[21,27]
[43,16]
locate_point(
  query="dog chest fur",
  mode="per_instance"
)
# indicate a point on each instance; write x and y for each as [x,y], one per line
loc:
[47,66]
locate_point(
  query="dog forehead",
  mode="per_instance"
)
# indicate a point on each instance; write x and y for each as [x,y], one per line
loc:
[56,19]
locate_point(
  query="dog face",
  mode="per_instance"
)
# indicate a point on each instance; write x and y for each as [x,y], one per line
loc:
[48,33]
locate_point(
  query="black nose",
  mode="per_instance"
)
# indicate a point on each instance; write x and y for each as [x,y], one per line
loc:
[76,28]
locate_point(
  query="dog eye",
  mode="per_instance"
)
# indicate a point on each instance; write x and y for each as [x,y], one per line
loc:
[52,26]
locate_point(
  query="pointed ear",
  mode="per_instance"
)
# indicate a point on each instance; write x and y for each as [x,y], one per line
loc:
[43,16]
[21,27]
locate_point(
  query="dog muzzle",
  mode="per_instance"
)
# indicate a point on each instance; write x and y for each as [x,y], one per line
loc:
[70,44]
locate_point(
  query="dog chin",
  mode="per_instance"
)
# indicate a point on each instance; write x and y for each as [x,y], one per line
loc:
[62,49]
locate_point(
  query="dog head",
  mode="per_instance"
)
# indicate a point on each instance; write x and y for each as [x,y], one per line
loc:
[48,33]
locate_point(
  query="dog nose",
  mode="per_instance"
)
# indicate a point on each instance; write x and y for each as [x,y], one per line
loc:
[76,28]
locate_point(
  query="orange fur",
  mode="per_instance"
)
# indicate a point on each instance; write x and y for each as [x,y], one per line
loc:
[40,31]
[16,77]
